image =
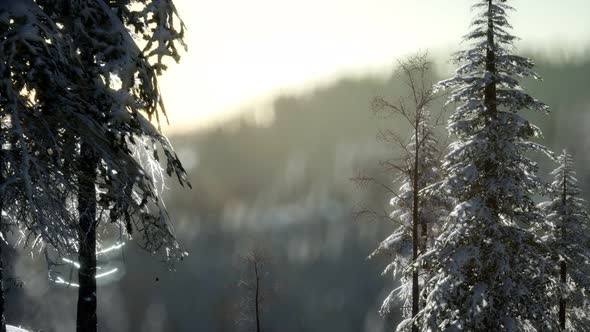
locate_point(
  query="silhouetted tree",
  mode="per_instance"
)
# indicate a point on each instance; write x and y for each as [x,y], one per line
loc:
[38,123]
[257,287]
[92,86]
[121,83]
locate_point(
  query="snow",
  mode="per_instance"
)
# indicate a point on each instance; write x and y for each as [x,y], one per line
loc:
[493,181]
[38,50]
[57,96]
[10,328]
[566,230]
[398,246]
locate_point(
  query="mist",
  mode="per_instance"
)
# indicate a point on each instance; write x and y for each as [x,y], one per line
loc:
[284,184]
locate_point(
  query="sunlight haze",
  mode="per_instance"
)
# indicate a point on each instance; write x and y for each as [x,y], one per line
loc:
[242,54]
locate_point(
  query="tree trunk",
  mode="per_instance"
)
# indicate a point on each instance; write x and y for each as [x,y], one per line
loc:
[2,301]
[2,308]
[424,236]
[490,89]
[562,300]
[491,166]
[415,221]
[490,102]
[87,319]
[257,299]
[425,266]
[563,267]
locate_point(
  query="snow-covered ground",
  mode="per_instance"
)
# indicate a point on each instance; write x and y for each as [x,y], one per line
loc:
[10,328]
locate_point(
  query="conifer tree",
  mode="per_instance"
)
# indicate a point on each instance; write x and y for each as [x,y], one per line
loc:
[491,271]
[121,83]
[97,87]
[37,124]
[568,236]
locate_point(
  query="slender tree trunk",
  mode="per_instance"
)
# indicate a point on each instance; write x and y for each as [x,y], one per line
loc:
[562,300]
[490,89]
[424,236]
[415,221]
[256,298]
[87,319]
[490,167]
[490,102]
[563,267]
[423,223]
[2,301]
[425,266]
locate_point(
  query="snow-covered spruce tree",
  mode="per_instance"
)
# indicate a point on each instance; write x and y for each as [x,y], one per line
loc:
[568,236]
[38,123]
[490,270]
[416,216]
[107,147]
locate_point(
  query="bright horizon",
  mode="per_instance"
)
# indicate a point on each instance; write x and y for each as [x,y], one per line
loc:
[241,55]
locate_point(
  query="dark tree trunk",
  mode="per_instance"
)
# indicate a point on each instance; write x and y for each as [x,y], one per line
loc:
[425,266]
[415,221]
[490,166]
[424,236]
[490,102]
[2,301]
[2,308]
[424,225]
[87,319]
[562,300]
[489,93]
[490,89]
[257,297]
[563,266]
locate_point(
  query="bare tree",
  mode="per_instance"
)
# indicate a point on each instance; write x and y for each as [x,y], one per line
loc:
[257,287]
[416,167]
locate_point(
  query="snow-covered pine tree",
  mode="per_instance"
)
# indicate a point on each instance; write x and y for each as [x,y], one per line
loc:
[568,236]
[36,107]
[415,215]
[118,166]
[490,269]
[105,149]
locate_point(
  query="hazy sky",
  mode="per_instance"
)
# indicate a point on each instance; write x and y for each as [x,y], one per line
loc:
[241,53]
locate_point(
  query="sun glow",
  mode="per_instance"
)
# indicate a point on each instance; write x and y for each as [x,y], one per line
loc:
[241,54]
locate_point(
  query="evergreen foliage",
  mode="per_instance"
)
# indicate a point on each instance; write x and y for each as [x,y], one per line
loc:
[491,270]
[567,233]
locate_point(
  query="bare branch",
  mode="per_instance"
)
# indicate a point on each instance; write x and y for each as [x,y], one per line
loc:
[255,281]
